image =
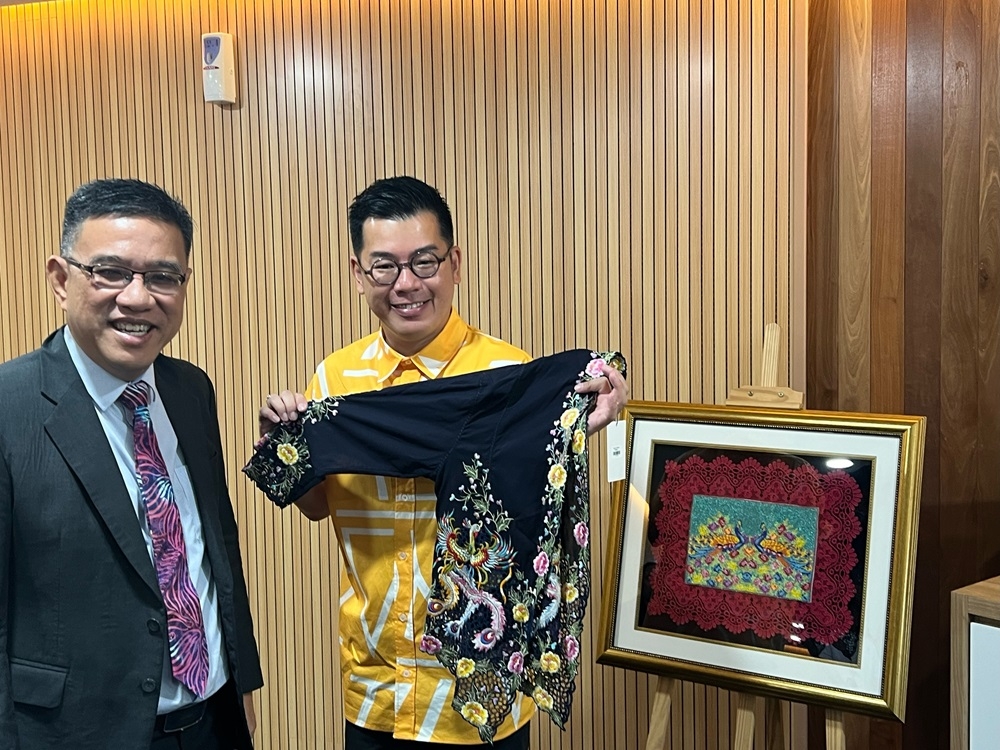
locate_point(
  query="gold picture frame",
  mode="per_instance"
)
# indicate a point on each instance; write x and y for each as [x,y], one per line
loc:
[742,556]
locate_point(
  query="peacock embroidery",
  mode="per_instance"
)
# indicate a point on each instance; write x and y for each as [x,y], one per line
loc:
[777,561]
[717,539]
[784,546]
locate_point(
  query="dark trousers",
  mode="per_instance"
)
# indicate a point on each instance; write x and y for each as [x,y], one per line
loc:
[359,738]
[217,723]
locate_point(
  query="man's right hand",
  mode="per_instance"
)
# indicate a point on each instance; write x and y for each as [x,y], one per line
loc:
[280,407]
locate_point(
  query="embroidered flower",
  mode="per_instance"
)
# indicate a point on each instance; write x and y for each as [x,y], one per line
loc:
[595,368]
[465,667]
[557,475]
[541,697]
[430,645]
[550,662]
[572,647]
[474,713]
[288,454]
[570,593]
[568,418]
[521,611]
[516,662]
[541,563]
[579,441]
[581,533]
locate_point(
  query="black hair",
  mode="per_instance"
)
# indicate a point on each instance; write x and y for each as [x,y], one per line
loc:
[122,197]
[397,198]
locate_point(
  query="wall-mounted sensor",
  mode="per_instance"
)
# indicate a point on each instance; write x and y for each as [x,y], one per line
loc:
[218,71]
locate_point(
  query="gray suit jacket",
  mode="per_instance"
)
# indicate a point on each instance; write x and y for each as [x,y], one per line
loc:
[82,621]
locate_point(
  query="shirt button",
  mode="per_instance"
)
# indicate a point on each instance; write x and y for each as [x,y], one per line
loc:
[402,555]
[153,625]
[402,616]
[407,673]
[148,685]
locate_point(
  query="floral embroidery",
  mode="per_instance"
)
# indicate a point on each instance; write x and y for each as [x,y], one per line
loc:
[557,476]
[542,698]
[579,441]
[474,713]
[521,613]
[283,456]
[541,564]
[290,462]
[465,667]
[516,662]
[430,645]
[570,593]
[581,533]
[568,418]
[550,662]
[287,453]
[571,646]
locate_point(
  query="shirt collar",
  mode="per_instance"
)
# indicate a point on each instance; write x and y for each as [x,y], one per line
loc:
[102,386]
[430,360]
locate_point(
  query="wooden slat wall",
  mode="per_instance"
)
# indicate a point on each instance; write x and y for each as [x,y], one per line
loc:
[904,305]
[626,175]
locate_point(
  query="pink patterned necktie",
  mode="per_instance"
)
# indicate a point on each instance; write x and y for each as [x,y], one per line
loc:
[185,630]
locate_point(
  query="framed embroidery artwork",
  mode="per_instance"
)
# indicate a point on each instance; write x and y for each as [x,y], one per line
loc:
[767,551]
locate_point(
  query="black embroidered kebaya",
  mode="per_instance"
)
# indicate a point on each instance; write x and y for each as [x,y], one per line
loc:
[507,450]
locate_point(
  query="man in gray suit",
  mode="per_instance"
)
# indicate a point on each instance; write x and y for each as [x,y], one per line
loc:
[124,620]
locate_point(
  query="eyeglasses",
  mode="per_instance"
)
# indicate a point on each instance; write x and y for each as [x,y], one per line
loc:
[424,265]
[118,277]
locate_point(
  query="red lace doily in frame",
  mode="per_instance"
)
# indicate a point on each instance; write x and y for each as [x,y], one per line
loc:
[827,617]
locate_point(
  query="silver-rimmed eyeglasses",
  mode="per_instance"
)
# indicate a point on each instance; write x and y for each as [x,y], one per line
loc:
[423,264]
[108,276]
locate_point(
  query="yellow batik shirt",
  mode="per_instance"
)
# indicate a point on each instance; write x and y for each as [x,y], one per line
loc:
[386,529]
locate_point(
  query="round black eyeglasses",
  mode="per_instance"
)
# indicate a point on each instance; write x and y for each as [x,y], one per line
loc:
[424,265]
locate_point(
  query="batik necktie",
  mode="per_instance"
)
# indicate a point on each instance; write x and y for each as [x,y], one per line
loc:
[185,629]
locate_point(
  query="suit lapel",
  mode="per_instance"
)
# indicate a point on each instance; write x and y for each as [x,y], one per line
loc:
[189,418]
[76,431]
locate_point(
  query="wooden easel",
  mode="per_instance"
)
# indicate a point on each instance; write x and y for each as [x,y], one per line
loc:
[766,395]
[836,736]
[746,720]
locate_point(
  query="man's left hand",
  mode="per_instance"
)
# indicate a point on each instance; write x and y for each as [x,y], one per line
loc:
[612,395]
[251,714]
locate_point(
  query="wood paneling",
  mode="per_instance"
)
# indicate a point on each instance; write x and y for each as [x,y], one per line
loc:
[854,197]
[823,237]
[988,329]
[888,204]
[959,316]
[625,175]
[930,297]
[922,339]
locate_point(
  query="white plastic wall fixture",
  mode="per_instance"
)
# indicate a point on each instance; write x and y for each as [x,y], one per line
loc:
[218,71]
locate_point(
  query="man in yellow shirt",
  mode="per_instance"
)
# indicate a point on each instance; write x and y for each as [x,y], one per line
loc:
[406,265]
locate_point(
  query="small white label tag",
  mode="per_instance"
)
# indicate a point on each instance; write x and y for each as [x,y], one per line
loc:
[616,450]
